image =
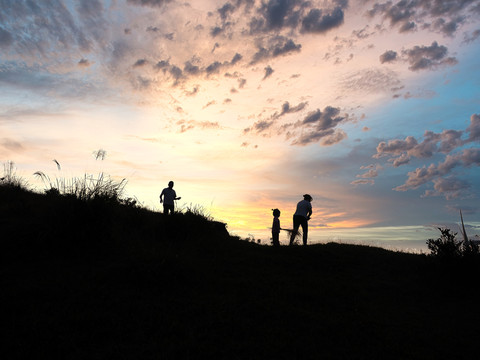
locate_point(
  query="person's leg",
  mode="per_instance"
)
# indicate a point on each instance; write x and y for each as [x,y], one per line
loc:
[296,225]
[167,209]
[305,230]
[275,239]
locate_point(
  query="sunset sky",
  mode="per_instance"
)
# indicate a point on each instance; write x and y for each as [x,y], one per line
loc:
[372,107]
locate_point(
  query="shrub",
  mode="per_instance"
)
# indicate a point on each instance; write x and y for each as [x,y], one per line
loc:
[448,247]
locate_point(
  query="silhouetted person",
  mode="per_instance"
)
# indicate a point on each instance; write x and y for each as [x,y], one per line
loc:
[276,227]
[301,217]
[168,197]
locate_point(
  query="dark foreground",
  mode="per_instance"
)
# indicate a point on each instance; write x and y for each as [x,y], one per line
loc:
[101,281]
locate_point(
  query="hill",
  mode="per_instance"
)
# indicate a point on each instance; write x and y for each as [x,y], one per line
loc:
[104,279]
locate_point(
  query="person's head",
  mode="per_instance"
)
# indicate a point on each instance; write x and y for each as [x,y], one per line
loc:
[307,197]
[170,184]
[276,212]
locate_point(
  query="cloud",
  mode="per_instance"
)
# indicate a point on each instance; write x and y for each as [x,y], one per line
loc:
[442,16]
[140,62]
[428,57]
[192,124]
[451,188]
[318,22]
[225,10]
[6,38]
[449,143]
[278,46]
[287,109]
[320,126]
[468,38]
[400,151]
[275,15]
[268,72]
[370,80]
[11,145]
[152,3]
[388,56]
[75,28]
[473,129]
[84,62]
[420,176]
[363,182]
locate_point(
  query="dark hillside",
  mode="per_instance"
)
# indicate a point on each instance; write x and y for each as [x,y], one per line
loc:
[102,279]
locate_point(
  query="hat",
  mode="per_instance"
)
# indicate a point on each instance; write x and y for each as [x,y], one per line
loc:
[307,197]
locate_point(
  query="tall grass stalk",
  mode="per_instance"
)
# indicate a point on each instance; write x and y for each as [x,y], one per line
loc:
[85,188]
[10,177]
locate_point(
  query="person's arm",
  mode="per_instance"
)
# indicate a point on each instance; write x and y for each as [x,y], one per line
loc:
[309,213]
[175,196]
[161,196]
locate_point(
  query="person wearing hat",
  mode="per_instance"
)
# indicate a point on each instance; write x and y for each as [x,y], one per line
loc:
[301,217]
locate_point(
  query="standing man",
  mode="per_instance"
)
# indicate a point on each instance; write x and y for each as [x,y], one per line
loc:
[301,217]
[168,197]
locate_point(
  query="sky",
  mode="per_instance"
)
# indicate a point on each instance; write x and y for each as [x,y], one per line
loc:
[371,107]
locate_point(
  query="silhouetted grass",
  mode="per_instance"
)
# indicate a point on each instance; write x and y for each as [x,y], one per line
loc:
[100,279]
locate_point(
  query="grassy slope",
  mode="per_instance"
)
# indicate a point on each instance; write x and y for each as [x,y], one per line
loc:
[97,280]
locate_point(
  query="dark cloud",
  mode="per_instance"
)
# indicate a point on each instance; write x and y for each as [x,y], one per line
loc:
[446,15]
[268,72]
[388,56]
[140,63]
[428,57]
[84,62]
[236,58]
[241,83]
[287,109]
[262,125]
[318,22]
[176,72]
[152,3]
[321,126]
[225,10]
[275,15]
[213,68]
[278,46]
[6,39]
[216,31]
[445,7]
[472,37]
[163,64]
[190,68]
[287,47]
[407,26]
[473,129]
[448,28]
